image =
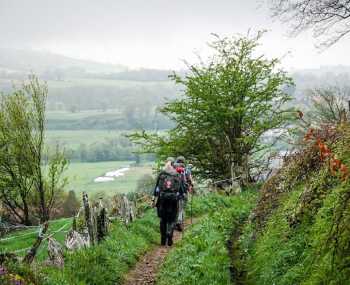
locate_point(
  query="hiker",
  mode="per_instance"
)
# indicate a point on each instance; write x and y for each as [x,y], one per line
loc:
[186,178]
[168,189]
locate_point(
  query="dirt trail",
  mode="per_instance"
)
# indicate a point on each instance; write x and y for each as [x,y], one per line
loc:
[147,267]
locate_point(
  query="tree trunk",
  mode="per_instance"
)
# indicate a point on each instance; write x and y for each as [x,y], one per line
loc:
[26,219]
[44,210]
[32,252]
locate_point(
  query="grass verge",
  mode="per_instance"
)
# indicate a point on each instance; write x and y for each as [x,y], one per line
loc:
[202,256]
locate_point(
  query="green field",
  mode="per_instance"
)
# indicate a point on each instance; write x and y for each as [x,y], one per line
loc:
[20,241]
[82,175]
[69,116]
[74,138]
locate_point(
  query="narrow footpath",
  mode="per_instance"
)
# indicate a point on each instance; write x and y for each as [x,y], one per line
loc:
[237,272]
[145,271]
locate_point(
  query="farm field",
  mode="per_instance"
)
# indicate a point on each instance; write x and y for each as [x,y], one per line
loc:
[69,116]
[82,175]
[74,138]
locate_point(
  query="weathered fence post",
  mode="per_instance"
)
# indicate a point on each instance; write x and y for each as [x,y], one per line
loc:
[74,224]
[75,240]
[94,214]
[55,253]
[127,211]
[101,221]
[32,252]
[88,220]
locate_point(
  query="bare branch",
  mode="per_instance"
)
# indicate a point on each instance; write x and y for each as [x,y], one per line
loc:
[328,19]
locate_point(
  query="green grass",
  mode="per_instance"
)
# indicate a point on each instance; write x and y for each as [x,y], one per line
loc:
[107,263]
[202,257]
[287,255]
[81,176]
[277,249]
[20,240]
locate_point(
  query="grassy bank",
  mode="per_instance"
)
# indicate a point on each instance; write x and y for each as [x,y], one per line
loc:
[202,256]
[300,231]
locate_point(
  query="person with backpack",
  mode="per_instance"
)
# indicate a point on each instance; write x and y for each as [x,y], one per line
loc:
[186,178]
[169,187]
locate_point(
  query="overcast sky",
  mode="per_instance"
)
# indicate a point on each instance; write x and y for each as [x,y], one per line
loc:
[151,33]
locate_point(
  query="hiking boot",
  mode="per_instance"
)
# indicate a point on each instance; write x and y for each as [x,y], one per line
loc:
[170,242]
[163,241]
[180,227]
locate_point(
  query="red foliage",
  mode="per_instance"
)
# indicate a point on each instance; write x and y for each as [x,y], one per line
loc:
[335,164]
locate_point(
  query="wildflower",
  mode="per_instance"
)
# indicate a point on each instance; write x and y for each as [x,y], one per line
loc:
[3,270]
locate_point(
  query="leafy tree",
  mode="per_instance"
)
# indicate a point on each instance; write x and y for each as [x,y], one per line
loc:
[229,104]
[30,177]
[329,20]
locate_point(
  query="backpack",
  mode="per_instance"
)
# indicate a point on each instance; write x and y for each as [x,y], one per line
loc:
[169,183]
[169,187]
[182,171]
[185,175]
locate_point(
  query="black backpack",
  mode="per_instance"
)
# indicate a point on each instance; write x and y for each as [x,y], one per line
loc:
[169,187]
[169,183]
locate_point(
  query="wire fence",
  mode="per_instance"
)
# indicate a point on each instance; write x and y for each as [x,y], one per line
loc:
[62,229]
[19,236]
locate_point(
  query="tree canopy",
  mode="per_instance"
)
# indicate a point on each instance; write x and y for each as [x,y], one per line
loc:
[30,176]
[228,105]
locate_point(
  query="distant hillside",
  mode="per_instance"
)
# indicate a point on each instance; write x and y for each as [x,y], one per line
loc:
[24,61]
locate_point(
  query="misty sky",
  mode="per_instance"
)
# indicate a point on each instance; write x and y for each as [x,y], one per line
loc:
[151,33]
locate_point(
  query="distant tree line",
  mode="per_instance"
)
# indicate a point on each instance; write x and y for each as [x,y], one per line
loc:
[109,150]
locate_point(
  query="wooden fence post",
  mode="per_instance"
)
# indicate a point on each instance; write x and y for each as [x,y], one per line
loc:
[88,220]
[74,224]
[101,222]
[33,250]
